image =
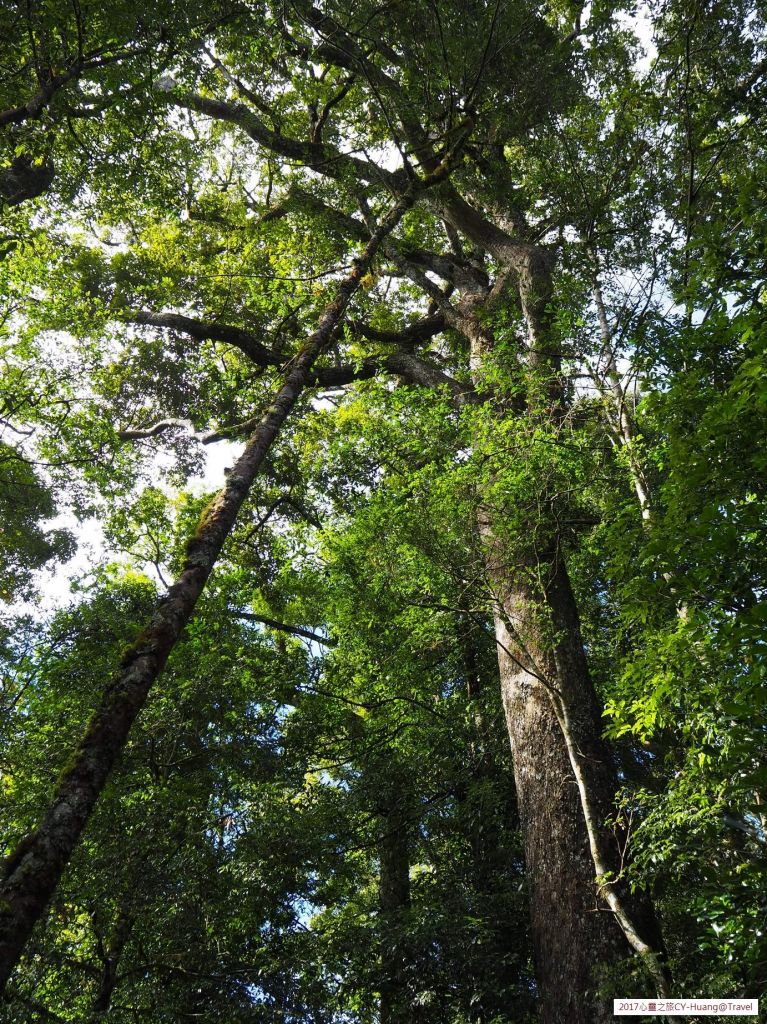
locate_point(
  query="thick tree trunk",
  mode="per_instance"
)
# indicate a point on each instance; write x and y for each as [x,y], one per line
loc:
[543,671]
[32,872]
[564,775]
[493,865]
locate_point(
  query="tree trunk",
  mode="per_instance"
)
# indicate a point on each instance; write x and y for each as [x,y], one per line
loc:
[111,960]
[394,903]
[493,860]
[32,872]
[543,669]
[564,775]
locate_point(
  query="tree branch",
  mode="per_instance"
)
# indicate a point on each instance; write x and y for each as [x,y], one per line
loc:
[35,106]
[320,157]
[209,330]
[283,627]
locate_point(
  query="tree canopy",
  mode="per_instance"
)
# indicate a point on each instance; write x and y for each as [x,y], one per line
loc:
[450,705]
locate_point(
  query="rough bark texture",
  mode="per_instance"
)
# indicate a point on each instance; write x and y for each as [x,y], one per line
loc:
[32,872]
[540,653]
[564,775]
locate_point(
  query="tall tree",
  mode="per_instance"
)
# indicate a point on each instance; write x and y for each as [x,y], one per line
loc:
[503,172]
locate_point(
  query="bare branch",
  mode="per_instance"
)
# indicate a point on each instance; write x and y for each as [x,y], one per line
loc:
[283,627]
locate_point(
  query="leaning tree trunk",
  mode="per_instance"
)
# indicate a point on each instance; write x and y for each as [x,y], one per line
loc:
[32,872]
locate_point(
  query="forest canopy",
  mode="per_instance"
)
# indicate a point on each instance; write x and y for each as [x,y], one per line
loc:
[445,701]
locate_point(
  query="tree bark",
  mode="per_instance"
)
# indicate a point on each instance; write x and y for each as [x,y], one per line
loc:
[394,903]
[111,961]
[32,872]
[542,664]
[582,917]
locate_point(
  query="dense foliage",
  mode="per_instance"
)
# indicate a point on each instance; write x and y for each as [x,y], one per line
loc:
[314,818]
